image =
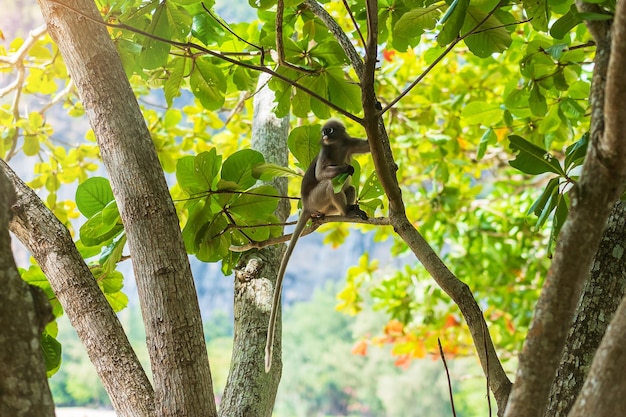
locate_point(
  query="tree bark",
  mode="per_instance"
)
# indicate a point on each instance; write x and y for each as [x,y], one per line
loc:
[180,368]
[96,324]
[604,391]
[600,299]
[24,390]
[600,185]
[250,392]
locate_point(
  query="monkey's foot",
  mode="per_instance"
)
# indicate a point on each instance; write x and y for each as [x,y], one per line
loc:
[355,211]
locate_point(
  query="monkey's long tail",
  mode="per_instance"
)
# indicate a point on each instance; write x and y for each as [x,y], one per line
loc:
[271,328]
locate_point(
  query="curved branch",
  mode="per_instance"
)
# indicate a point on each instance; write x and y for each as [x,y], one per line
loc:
[95,322]
[386,169]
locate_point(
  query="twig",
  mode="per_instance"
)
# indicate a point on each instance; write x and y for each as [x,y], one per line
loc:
[339,34]
[441,56]
[280,47]
[356,26]
[378,221]
[185,46]
[445,365]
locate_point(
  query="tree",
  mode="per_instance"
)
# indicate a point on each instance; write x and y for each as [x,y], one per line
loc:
[24,312]
[537,86]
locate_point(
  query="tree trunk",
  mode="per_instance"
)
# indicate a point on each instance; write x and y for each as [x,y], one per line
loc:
[604,391]
[180,368]
[24,388]
[592,198]
[600,299]
[95,322]
[250,392]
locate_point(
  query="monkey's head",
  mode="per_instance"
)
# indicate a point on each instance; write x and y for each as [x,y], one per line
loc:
[332,131]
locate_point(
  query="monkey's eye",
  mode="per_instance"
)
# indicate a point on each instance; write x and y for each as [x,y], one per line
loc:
[328,131]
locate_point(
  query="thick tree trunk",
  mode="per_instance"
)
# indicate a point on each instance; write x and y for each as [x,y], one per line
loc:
[604,391]
[180,368]
[600,299]
[250,392]
[96,324]
[24,388]
[600,185]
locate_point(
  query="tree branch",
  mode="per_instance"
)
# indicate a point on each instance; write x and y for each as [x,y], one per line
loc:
[93,318]
[380,221]
[386,169]
[600,185]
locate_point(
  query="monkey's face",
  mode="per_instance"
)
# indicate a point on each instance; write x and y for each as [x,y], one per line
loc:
[332,131]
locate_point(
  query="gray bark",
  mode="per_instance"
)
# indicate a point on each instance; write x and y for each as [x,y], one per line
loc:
[180,367]
[600,299]
[250,392]
[600,185]
[24,388]
[96,324]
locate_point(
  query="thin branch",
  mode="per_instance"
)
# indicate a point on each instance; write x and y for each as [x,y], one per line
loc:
[232,32]
[445,365]
[442,55]
[185,46]
[339,34]
[356,26]
[378,221]
[280,47]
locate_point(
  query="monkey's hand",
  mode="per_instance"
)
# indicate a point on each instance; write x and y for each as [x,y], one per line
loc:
[349,170]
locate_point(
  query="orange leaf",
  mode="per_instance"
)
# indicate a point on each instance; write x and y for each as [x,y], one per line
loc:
[360,348]
[394,328]
[451,321]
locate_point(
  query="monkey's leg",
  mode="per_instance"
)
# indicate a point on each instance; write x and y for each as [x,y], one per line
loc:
[353,208]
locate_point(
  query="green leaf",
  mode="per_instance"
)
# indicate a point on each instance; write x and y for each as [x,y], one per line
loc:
[96,232]
[341,92]
[371,188]
[532,159]
[254,206]
[453,21]
[198,174]
[92,195]
[174,81]
[560,215]
[208,84]
[480,112]
[564,24]
[539,206]
[538,12]
[155,52]
[267,172]
[206,29]
[111,254]
[488,137]
[238,167]
[339,181]
[575,153]
[537,102]
[304,143]
[51,351]
[412,24]
[491,36]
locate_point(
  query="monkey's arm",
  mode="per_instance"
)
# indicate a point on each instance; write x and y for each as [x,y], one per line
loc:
[328,172]
[358,146]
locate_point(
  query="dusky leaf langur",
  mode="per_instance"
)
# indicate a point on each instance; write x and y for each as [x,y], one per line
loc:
[319,199]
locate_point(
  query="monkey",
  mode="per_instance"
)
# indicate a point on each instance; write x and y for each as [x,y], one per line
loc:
[319,200]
